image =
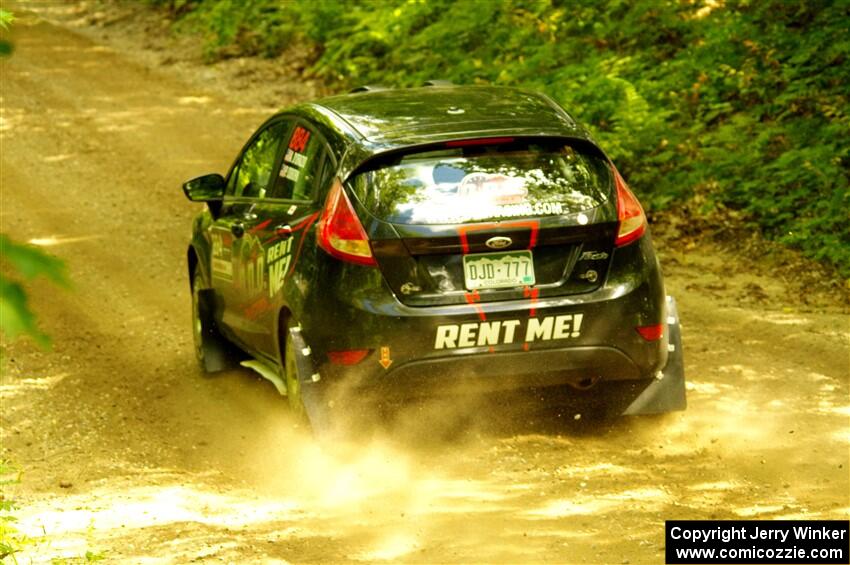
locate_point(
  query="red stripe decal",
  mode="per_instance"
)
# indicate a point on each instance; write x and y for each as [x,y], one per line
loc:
[472,298]
[464,243]
[304,222]
[277,235]
[259,226]
[531,293]
[306,225]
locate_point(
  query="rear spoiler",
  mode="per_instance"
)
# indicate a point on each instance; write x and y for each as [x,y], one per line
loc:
[393,156]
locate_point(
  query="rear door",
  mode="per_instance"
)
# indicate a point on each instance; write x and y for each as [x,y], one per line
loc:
[491,221]
[281,222]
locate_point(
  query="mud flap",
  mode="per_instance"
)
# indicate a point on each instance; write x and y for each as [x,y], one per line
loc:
[219,353]
[665,394]
[315,405]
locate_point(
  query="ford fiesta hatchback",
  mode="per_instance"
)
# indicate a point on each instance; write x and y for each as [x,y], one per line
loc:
[395,243]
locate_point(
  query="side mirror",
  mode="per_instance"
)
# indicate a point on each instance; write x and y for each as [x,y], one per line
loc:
[205,188]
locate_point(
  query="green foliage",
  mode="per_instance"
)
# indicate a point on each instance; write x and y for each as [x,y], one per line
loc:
[28,262]
[10,540]
[741,104]
[6,18]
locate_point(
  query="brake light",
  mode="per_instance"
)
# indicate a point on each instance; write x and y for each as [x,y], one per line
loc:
[483,141]
[350,357]
[341,234]
[629,213]
[651,333]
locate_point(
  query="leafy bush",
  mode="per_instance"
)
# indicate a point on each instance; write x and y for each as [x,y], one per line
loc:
[742,103]
[28,262]
[11,540]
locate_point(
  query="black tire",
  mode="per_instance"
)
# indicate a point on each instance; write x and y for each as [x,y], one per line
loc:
[291,374]
[213,352]
[305,392]
[198,329]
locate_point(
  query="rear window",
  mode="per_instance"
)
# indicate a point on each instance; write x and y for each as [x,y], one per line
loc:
[480,183]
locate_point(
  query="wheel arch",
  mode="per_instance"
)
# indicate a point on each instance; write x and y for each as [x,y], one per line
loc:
[283,317]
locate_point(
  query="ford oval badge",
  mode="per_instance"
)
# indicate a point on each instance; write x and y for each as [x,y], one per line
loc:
[498,242]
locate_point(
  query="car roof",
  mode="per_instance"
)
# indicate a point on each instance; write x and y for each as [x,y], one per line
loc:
[378,121]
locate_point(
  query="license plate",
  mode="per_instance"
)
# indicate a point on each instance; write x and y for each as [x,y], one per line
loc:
[498,270]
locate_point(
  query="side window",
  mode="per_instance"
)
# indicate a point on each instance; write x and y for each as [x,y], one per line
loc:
[251,178]
[230,189]
[301,168]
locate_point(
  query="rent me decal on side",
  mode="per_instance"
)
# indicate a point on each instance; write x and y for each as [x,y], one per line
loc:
[278,258]
[503,332]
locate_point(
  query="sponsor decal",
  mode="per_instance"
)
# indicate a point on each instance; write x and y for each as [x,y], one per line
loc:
[492,188]
[299,139]
[249,266]
[279,253]
[505,332]
[472,212]
[278,259]
[294,159]
[222,267]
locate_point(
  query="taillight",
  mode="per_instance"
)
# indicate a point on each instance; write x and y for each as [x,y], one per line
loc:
[629,213]
[340,232]
[651,333]
[349,357]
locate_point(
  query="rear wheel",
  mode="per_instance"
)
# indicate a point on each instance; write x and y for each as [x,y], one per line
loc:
[304,389]
[291,375]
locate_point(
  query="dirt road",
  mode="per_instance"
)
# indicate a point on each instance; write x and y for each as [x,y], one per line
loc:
[129,452]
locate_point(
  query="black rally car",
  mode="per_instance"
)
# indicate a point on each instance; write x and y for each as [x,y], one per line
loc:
[412,241]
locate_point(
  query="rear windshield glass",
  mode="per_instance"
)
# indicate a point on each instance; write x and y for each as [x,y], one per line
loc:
[480,183]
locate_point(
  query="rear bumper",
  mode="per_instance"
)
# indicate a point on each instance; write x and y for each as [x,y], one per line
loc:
[407,354]
[579,367]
